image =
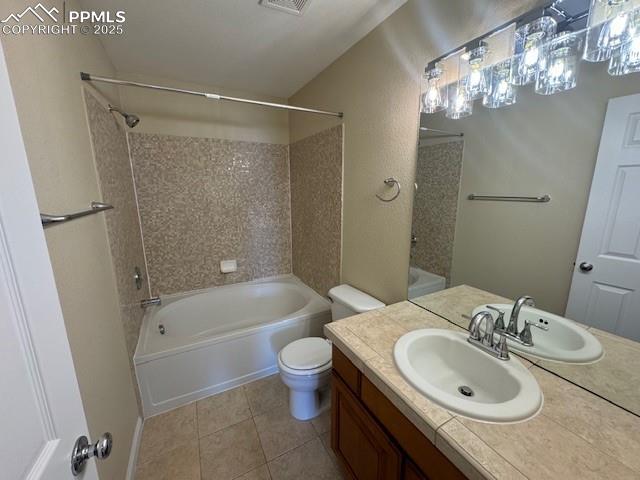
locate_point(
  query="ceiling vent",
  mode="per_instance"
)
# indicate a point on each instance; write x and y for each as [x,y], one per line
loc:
[294,7]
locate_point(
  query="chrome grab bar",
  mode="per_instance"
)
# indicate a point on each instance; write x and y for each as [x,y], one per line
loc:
[506,198]
[49,220]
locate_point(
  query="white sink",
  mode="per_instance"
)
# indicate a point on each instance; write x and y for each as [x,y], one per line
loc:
[565,341]
[442,364]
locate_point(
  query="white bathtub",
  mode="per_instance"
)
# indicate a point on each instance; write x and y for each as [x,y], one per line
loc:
[222,337]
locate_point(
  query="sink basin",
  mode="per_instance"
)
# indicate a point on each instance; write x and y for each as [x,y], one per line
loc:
[460,377]
[565,341]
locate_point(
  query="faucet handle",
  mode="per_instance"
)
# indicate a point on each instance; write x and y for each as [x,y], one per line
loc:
[525,335]
[499,322]
[502,349]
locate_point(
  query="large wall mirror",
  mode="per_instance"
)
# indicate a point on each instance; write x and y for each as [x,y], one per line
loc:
[539,198]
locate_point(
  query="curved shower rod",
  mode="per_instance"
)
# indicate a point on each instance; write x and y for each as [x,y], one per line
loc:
[87,77]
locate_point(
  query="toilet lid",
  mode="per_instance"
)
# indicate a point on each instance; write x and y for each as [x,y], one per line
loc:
[306,353]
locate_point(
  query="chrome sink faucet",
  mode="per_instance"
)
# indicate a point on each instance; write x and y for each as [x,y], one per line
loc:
[487,341]
[512,328]
[524,336]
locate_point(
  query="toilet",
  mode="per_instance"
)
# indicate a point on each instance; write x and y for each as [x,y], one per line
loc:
[305,364]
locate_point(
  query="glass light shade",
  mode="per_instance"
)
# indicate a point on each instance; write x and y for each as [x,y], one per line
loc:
[501,92]
[558,70]
[459,105]
[530,39]
[434,96]
[476,82]
[627,58]
[608,28]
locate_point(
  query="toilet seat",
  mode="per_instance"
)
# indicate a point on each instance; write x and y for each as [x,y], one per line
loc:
[307,356]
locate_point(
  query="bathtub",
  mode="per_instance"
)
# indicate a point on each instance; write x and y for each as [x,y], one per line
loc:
[220,338]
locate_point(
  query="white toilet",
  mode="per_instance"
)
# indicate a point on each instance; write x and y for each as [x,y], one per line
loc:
[305,364]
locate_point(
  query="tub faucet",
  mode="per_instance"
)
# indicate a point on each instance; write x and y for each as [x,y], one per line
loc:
[150,301]
[487,342]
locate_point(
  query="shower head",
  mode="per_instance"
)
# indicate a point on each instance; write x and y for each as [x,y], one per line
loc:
[130,119]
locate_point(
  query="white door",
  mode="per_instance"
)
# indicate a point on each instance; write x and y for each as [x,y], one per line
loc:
[41,413]
[605,291]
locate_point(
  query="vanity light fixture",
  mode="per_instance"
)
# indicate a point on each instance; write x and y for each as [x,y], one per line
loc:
[459,105]
[558,69]
[552,60]
[434,97]
[608,28]
[530,39]
[502,92]
[627,59]
[475,81]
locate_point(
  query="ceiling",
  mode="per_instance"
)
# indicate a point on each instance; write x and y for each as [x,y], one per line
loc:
[238,44]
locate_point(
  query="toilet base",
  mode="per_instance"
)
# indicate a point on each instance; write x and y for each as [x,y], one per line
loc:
[306,405]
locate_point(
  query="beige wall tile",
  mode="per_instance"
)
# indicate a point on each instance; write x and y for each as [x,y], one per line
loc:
[111,155]
[316,208]
[435,206]
[206,200]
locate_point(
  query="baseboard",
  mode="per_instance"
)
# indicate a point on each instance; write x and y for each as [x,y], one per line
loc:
[135,445]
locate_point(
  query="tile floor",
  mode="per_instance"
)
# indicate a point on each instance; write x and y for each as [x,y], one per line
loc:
[246,433]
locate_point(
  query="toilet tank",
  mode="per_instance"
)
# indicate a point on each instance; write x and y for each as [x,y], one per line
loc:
[348,301]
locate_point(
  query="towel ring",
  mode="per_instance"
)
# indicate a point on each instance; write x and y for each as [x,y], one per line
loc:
[390,182]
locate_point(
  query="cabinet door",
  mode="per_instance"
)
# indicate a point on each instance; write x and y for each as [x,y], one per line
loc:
[364,449]
[411,472]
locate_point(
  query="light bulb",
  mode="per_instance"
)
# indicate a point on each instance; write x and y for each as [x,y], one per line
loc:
[459,105]
[432,99]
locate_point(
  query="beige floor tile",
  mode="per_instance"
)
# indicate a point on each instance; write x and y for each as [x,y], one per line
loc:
[260,473]
[181,463]
[166,432]
[309,462]
[221,411]
[279,432]
[265,394]
[322,423]
[231,452]
[326,443]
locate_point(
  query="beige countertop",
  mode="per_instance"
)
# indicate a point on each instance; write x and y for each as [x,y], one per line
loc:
[576,435]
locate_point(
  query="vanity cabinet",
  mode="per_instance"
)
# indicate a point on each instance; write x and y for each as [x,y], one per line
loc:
[372,439]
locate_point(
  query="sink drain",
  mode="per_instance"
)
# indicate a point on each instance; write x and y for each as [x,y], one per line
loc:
[466,391]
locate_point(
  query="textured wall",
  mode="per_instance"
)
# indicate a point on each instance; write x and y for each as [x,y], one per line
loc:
[316,208]
[435,206]
[186,115]
[376,83]
[205,200]
[48,94]
[111,154]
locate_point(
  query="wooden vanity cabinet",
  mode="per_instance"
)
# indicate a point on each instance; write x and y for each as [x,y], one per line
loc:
[372,439]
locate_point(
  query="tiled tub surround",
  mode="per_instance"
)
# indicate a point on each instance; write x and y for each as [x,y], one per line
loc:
[435,207]
[245,433]
[111,156]
[616,376]
[577,435]
[204,200]
[316,208]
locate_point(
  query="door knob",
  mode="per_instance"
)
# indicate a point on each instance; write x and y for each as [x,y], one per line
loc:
[83,451]
[586,267]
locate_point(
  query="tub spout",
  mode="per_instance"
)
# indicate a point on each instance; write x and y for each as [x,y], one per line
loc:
[150,301]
